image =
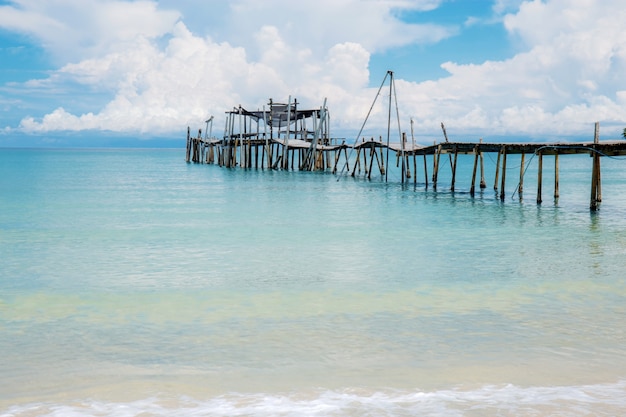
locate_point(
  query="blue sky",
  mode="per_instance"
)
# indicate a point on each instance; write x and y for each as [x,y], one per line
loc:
[520,70]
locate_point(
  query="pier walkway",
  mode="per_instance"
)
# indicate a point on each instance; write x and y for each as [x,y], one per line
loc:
[289,138]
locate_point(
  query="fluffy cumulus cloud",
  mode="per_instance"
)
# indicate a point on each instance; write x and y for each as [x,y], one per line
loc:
[163,68]
[566,76]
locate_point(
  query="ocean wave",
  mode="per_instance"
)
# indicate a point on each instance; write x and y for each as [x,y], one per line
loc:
[504,400]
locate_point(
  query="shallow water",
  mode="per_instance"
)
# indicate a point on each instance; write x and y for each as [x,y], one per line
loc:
[133,284]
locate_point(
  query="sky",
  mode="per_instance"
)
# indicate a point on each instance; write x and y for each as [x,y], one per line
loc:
[501,70]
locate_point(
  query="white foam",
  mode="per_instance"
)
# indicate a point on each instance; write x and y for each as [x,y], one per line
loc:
[507,400]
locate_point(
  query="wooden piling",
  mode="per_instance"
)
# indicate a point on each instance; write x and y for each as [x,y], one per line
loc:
[596,195]
[520,187]
[503,173]
[436,166]
[495,182]
[539,176]
[483,184]
[556,176]
[425,172]
[188,151]
[414,168]
[456,156]
[473,187]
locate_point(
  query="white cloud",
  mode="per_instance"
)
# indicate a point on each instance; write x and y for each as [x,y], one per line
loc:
[568,78]
[164,79]
[77,29]
[163,76]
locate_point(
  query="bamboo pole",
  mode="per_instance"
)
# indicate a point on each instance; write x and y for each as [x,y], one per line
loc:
[372,156]
[595,172]
[503,173]
[436,166]
[520,187]
[357,162]
[425,172]
[599,174]
[594,184]
[495,182]
[188,150]
[539,177]
[473,187]
[483,183]
[285,162]
[405,157]
[434,162]
[556,176]
[456,156]
[338,156]
[239,140]
[382,159]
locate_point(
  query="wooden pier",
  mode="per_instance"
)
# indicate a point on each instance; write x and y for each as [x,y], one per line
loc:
[285,137]
[282,136]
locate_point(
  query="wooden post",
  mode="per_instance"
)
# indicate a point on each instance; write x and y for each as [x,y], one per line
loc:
[436,167]
[238,140]
[425,172]
[520,187]
[337,156]
[495,182]
[599,174]
[503,173]
[406,170]
[372,156]
[595,172]
[594,184]
[473,187]
[285,148]
[188,152]
[483,184]
[456,156]
[539,176]
[434,162]
[357,162]
[556,176]
[382,159]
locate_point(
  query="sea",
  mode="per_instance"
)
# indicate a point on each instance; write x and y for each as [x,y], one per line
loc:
[133,283]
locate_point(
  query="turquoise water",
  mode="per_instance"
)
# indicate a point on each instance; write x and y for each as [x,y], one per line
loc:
[134,284]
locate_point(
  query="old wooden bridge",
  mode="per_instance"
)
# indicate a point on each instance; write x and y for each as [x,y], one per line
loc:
[313,150]
[285,136]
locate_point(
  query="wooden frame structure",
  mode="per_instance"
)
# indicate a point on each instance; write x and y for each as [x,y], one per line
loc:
[283,136]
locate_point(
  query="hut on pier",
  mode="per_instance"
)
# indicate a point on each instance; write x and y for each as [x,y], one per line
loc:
[281,136]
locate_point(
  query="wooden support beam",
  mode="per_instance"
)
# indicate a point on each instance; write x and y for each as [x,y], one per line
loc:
[495,182]
[337,156]
[425,172]
[556,176]
[520,187]
[188,151]
[473,187]
[539,176]
[595,172]
[503,173]
[436,166]
[357,162]
[456,156]
[381,167]
[483,184]
[372,156]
